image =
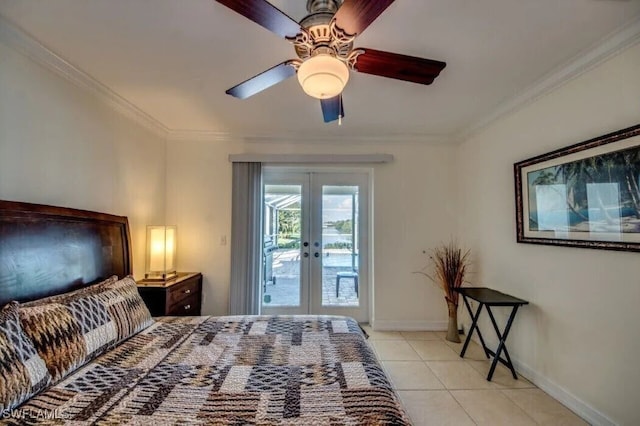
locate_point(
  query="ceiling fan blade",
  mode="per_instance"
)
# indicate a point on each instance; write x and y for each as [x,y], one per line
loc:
[354,16]
[262,81]
[400,67]
[332,108]
[264,13]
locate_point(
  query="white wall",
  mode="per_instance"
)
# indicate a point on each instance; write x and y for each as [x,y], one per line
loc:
[62,146]
[579,337]
[199,203]
[414,210]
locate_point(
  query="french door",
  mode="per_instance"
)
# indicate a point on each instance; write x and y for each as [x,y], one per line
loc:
[315,247]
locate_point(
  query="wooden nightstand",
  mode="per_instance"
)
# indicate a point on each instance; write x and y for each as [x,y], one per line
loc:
[180,296]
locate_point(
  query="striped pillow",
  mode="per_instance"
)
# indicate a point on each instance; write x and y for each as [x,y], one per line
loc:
[126,308]
[22,372]
[72,329]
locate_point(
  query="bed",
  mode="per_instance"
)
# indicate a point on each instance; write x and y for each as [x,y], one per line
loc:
[82,348]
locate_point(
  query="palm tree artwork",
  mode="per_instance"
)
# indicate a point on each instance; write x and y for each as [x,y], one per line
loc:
[599,193]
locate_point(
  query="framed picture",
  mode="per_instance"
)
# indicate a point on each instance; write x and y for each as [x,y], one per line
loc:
[585,195]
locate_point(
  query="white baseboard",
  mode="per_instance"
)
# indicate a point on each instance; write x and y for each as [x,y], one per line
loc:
[566,398]
[575,404]
[389,325]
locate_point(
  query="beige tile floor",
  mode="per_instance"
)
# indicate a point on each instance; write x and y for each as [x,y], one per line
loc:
[437,387]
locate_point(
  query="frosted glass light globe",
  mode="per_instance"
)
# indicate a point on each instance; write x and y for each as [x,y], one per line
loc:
[323,76]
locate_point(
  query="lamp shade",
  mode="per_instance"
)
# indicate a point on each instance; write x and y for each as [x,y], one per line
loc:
[323,76]
[161,252]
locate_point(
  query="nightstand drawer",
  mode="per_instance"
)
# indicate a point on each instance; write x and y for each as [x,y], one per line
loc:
[179,296]
[183,290]
[188,306]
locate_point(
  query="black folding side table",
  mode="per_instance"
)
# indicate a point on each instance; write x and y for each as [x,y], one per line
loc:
[489,297]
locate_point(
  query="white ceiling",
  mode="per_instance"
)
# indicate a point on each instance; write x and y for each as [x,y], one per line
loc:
[174,59]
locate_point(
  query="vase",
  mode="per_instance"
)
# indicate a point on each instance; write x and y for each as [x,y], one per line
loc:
[452,331]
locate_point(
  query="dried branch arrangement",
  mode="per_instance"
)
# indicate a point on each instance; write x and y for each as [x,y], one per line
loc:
[449,265]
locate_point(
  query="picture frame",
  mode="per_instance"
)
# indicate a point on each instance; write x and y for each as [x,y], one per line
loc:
[585,195]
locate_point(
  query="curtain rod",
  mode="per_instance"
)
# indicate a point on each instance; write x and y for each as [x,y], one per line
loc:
[311,158]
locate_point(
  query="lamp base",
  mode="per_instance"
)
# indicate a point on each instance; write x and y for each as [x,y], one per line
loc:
[159,276]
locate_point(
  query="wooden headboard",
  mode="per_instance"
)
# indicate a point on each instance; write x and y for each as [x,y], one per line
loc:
[46,250]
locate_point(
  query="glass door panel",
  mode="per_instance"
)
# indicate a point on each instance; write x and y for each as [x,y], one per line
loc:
[339,274]
[284,282]
[340,246]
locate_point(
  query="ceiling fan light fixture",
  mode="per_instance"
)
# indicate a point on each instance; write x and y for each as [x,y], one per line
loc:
[323,76]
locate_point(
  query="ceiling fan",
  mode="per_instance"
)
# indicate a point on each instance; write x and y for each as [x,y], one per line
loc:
[323,42]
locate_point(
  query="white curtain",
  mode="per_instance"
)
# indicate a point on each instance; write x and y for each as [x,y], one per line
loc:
[246,239]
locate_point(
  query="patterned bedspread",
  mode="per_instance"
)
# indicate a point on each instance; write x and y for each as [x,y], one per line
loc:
[265,370]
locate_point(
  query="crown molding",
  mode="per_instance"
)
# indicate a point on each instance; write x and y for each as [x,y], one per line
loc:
[213,136]
[365,139]
[610,46]
[26,44]
[202,136]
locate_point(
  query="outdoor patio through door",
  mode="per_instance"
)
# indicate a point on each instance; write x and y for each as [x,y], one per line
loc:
[315,251]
